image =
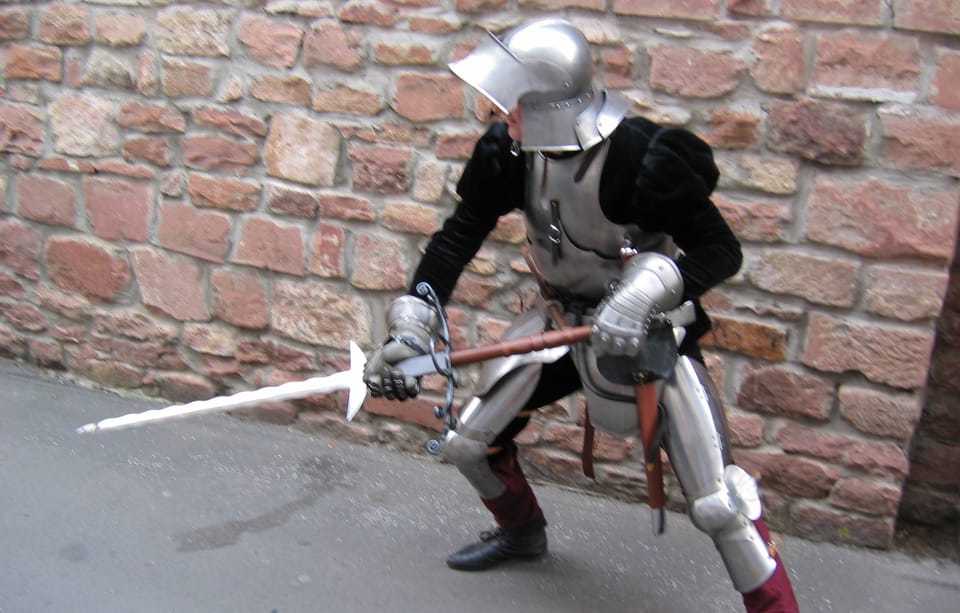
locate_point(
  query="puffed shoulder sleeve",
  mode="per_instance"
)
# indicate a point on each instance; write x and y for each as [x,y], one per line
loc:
[677,171]
[494,175]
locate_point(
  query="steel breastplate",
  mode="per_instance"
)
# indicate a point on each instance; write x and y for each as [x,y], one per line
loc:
[573,246]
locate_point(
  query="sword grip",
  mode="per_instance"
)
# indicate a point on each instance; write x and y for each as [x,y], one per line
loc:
[524,344]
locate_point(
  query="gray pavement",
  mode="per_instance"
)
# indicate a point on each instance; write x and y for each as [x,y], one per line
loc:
[216,514]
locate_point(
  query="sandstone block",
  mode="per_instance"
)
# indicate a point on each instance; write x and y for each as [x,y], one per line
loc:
[381,169]
[690,72]
[410,217]
[302,149]
[320,314]
[706,10]
[894,356]
[86,268]
[151,118]
[328,44]
[779,66]
[379,263]
[926,15]
[117,208]
[879,412]
[14,24]
[84,125]
[856,12]
[271,246]
[945,89]
[905,294]
[269,41]
[428,97]
[120,30]
[225,194]
[171,284]
[184,30]
[778,390]
[921,139]
[33,62]
[867,66]
[183,79]
[218,152]
[753,338]
[239,297]
[822,132]
[47,200]
[202,234]
[820,524]
[63,23]
[882,220]
[230,121]
[327,257]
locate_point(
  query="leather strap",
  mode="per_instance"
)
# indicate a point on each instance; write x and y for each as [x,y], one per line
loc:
[586,455]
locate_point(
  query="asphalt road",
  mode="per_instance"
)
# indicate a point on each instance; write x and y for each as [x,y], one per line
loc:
[215,514]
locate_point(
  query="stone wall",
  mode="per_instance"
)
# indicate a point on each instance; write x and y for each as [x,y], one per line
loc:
[204,197]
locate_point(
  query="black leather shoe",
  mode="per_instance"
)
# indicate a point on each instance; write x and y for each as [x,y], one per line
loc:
[527,542]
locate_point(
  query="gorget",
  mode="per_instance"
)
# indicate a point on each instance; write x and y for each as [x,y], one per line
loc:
[574,249]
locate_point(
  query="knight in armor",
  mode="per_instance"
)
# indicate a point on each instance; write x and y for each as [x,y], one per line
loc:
[621,235]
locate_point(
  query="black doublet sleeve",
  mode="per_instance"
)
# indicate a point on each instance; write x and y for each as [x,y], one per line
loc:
[661,179]
[492,185]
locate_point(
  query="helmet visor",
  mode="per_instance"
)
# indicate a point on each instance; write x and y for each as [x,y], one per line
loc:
[494,71]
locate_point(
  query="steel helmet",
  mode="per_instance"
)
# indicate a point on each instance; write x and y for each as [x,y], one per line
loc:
[545,67]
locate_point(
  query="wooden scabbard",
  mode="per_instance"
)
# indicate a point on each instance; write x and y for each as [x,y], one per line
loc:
[649,414]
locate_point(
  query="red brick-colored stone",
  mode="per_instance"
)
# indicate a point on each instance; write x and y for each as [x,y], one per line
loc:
[824,280]
[850,63]
[23,316]
[858,12]
[328,44]
[64,23]
[225,194]
[287,89]
[779,66]
[183,79]
[118,209]
[271,246]
[171,284]
[368,13]
[820,524]
[707,10]
[14,24]
[152,118]
[778,390]
[379,263]
[789,474]
[217,152]
[134,325]
[827,133]
[149,149]
[33,62]
[882,220]
[945,89]
[87,268]
[21,130]
[281,200]
[269,41]
[759,221]
[410,217]
[733,129]
[880,413]
[120,30]
[230,121]
[349,100]
[339,206]
[203,234]
[752,338]
[47,200]
[904,293]
[428,97]
[880,458]
[686,71]
[890,355]
[922,140]
[927,16]
[381,170]
[746,430]
[240,297]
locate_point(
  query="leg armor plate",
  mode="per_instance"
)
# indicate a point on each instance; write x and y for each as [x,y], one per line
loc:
[722,498]
[504,387]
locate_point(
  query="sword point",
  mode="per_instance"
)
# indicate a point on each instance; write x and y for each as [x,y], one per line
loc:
[88,428]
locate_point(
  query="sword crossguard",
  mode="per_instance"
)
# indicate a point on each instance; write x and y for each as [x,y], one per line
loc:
[443,366]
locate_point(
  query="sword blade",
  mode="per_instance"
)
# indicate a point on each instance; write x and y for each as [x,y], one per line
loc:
[351,380]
